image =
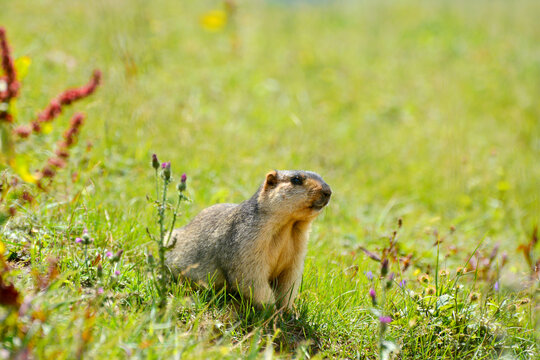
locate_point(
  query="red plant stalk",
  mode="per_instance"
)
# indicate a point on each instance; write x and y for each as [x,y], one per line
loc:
[55,106]
[62,148]
[9,86]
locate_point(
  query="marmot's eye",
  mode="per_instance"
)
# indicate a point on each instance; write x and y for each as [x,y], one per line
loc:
[297,180]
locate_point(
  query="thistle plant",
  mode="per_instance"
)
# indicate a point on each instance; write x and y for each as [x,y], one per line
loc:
[386,279]
[163,178]
[85,240]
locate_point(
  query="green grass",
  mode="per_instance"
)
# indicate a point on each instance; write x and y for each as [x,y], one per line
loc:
[424,110]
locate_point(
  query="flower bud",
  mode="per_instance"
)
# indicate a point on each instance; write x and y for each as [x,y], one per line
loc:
[166,170]
[155,162]
[86,239]
[118,255]
[384,267]
[150,259]
[182,184]
[373,296]
[390,280]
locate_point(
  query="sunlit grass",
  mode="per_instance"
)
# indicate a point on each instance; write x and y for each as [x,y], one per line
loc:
[424,110]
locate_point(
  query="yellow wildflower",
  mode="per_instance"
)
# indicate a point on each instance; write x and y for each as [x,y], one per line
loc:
[21,168]
[214,20]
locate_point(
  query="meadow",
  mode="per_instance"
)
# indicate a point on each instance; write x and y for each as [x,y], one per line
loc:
[423,116]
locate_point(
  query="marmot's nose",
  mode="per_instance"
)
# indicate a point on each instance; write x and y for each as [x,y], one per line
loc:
[326,191]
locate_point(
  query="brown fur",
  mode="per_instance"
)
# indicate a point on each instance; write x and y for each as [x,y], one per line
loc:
[257,246]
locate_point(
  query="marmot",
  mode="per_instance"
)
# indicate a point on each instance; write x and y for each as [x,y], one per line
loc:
[258,246]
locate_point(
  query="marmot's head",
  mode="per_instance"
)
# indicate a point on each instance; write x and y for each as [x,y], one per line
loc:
[293,193]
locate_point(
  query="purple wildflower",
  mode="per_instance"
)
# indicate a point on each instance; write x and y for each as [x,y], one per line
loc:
[369,275]
[373,296]
[109,254]
[182,184]
[385,319]
[78,240]
[402,283]
[100,290]
[496,286]
[117,273]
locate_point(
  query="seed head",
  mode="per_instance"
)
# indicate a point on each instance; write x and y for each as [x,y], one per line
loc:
[444,273]
[524,301]
[22,131]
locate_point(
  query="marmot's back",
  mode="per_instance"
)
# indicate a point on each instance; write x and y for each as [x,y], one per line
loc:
[258,245]
[194,254]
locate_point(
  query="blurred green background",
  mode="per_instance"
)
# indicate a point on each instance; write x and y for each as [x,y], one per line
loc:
[426,110]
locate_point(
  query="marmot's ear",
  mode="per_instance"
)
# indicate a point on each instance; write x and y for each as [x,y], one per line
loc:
[271,179]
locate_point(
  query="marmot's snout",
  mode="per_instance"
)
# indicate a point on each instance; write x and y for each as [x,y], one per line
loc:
[324,197]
